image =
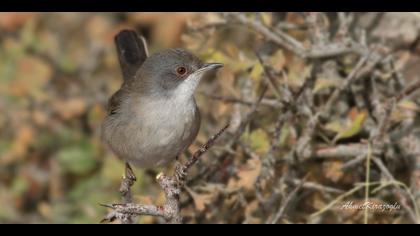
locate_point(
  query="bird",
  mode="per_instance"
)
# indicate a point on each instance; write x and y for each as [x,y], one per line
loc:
[153,117]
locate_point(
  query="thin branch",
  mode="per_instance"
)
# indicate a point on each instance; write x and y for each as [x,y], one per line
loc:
[228,99]
[399,191]
[340,151]
[354,74]
[125,189]
[314,186]
[326,50]
[194,158]
[280,39]
[171,185]
[286,203]
[378,141]
[408,91]
[125,212]
[270,78]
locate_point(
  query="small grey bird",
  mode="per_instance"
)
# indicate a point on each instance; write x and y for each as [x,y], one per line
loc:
[153,117]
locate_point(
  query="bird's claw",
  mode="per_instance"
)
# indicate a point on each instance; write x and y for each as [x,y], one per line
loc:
[129,173]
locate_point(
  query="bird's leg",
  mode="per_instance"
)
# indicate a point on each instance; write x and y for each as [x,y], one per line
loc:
[125,188]
[129,173]
[126,183]
[171,185]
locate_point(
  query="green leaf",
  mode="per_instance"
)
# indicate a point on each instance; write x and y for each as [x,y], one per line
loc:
[77,159]
[324,84]
[284,135]
[258,140]
[256,71]
[267,18]
[352,129]
[86,195]
[66,64]
[113,168]
[234,64]
[334,126]
[19,186]
[27,34]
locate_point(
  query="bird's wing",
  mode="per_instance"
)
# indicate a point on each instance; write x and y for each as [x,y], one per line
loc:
[114,102]
[132,52]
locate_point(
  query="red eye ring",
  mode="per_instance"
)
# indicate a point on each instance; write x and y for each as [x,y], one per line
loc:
[181,70]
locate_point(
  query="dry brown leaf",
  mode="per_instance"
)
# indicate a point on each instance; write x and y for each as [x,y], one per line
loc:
[353,113]
[24,135]
[316,201]
[247,175]
[167,27]
[228,81]
[205,19]
[70,108]
[278,60]
[332,170]
[249,210]
[39,117]
[31,75]
[44,209]
[49,43]
[200,199]
[12,20]
[98,28]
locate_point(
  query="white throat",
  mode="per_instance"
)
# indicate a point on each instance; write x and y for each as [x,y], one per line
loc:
[187,88]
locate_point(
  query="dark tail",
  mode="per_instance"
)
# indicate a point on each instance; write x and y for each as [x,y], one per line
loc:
[132,52]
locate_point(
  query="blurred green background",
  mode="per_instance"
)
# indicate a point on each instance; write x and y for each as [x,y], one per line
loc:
[56,73]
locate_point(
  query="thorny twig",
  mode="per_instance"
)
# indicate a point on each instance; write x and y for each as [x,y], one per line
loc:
[171,185]
[282,39]
[378,137]
[314,186]
[322,50]
[323,47]
[286,202]
[236,132]
[265,102]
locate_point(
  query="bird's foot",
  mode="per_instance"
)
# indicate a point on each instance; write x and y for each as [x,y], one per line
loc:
[129,173]
[118,212]
[127,181]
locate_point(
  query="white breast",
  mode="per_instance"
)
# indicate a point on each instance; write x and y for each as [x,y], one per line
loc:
[165,129]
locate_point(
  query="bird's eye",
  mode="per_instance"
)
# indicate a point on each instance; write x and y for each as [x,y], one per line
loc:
[181,70]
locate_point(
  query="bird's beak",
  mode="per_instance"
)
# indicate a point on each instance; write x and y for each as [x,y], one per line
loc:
[189,85]
[210,66]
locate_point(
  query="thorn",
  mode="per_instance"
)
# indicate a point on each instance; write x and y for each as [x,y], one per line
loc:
[109,218]
[104,220]
[112,206]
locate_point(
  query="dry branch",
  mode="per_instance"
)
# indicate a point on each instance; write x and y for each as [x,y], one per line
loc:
[171,185]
